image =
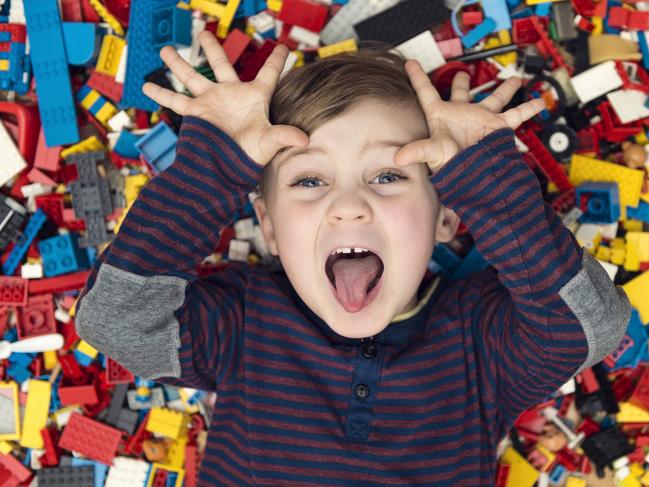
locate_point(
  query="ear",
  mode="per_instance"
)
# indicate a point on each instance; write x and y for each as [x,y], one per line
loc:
[447,224]
[266,226]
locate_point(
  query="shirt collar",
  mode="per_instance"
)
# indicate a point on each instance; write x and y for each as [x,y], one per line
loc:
[400,329]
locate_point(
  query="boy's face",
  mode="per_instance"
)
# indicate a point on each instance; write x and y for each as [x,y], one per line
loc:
[344,200]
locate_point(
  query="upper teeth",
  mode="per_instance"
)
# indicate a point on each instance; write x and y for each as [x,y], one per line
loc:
[347,250]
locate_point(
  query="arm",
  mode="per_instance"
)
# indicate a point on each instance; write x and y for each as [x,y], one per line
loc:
[143,304]
[553,311]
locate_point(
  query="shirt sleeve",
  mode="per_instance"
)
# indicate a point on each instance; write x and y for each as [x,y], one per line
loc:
[547,309]
[144,304]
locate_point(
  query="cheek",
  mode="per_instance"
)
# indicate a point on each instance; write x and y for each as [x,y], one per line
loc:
[411,226]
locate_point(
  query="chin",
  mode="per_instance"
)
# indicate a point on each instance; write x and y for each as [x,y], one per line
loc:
[356,326]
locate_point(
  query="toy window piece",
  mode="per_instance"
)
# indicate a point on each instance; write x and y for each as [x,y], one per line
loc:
[9,413]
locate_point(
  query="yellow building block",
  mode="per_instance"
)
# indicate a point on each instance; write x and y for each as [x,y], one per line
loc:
[536,2]
[630,413]
[209,7]
[603,253]
[51,359]
[90,144]
[5,447]
[176,453]
[629,181]
[167,422]
[4,65]
[629,481]
[107,17]
[348,45]
[226,19]
[521,472]
[105,113]
[640,240]
[158,466]
[36,412]
[598,25]
[637,289]
[632,225]
[90,99]
[636,469]
[575,481]
[86,349]
[274,5]
[133,184]
[645,478]
[10,409]
[112,48]
[641,138]
[618,256]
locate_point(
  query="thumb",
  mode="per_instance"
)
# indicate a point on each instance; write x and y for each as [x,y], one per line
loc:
[434,152]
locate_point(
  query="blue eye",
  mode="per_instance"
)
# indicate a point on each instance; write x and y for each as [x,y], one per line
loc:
[311,179]
[395,176]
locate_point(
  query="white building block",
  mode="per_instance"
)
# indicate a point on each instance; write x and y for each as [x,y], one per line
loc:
[31,271]
[12,160]
[239,250]
[424,49]
[596,81]
[629,105]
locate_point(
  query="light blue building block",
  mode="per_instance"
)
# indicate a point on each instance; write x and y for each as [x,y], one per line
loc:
[82,43]
[158,146]
[47,50]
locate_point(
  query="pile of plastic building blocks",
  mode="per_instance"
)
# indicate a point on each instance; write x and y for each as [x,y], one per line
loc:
[79,139]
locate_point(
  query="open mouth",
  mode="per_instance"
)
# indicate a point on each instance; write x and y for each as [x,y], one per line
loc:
[366,254]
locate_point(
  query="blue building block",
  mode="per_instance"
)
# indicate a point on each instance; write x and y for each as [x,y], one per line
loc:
[557,474]
[82,43]
[498,11]
[639,213]
[100,469]
[543,9]
[146,57]
[125,145]
[644,48]
[446,259]
[61,255]
[22,245]
[473,262]
[479,32]
[158,146]
[172,26]
[16,78]
[47,50]
[599,202]
[248,8]
[82,358]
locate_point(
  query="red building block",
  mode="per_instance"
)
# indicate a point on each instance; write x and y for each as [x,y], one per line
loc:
[13,291]
[52,451]
[17,469]
[106,85]
[235,44]
[85,394]
[36,317]
[91,438]
[307,14]
[116,374]
[52,205]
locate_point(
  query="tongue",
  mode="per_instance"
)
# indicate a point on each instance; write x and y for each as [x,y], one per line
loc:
[353,276]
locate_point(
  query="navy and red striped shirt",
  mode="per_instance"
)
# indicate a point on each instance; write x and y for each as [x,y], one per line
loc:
[424,402]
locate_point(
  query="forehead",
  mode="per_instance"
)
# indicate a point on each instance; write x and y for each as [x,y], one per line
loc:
[367,127]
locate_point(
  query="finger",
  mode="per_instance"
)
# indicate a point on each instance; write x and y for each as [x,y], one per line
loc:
[216,57]
[502,95]
[188,76]
[434,152]
[167,98]
[517,115]
[272,68]
[426,92]
[460,87]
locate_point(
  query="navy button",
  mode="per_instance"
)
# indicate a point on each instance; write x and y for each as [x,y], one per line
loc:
[369,350]
[362,391]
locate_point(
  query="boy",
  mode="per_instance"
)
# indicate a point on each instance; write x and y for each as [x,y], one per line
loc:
[352,365]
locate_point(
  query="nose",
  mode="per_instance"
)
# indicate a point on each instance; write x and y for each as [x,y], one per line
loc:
[350,206]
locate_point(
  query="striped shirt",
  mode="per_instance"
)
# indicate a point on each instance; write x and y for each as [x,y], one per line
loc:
[424,402]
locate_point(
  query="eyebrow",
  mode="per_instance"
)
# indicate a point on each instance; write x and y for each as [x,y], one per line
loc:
[370,144]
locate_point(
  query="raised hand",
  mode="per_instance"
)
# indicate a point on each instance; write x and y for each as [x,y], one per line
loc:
[457,124]
[238,108]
